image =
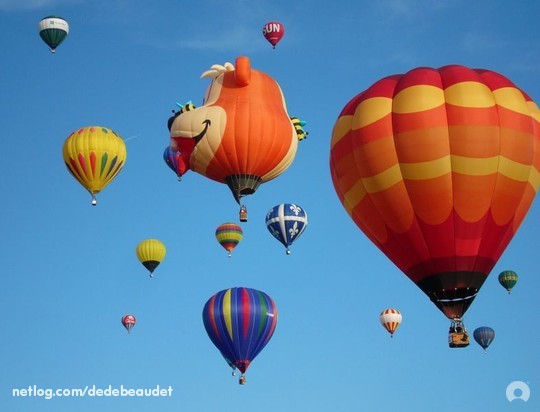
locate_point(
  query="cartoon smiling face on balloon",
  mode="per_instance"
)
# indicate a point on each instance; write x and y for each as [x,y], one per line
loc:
[242,130]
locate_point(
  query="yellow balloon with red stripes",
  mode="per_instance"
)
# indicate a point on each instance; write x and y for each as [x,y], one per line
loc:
[94,155]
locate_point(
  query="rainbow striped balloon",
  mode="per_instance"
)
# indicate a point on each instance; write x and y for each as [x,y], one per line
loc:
[229,235]
[438,167]
[240,322]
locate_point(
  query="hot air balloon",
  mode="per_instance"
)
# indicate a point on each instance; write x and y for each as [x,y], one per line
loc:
[286,222]
[242,135]
[128,321]
[438,167]
[508,279]
[273,32]
[390,319]
[240,322]
[150,253]
[173,159]
[484,335]
[94,155]
[53,30]
[229,235]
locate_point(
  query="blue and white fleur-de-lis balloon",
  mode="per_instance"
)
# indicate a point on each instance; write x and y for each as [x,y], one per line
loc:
[286,222]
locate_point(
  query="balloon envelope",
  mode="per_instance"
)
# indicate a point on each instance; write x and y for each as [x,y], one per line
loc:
[484,335]
[240,322]
[53,30]
[128,321]
[173,159]
[229,235]
[390,319]
[273,32]
[438,168]
[94,155]
[242,135]
[508,279]
[286,222]
[151,253]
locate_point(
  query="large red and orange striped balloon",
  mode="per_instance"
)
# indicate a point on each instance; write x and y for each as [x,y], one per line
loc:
[438,167]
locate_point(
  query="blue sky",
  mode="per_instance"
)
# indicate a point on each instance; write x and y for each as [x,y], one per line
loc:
[70,271]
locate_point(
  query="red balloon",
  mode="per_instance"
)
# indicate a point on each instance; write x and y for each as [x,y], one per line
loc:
[438,167]
[273,32]
[128,321]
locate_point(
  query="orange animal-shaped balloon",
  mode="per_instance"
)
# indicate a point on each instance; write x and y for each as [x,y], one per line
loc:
[242,135]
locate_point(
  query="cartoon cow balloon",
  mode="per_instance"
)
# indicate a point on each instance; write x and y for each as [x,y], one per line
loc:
[242,135]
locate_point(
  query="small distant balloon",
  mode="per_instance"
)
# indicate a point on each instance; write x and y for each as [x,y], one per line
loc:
[273,32]
[484,335]
[390,319]
[173,159]
[508,279]
[53,30]
[229,235]
[150,253]
[128,321]
[286,222]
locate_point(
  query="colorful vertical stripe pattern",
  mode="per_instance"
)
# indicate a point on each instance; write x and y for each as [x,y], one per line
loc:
[438,167]
[240,322]
[390,319]
[229,235]
[286,222]
[94,155]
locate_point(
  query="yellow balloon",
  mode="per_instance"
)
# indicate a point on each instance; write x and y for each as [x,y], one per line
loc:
[94,155]
[150,253]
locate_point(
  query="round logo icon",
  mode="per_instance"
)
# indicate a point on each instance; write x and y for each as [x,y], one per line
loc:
[518,390]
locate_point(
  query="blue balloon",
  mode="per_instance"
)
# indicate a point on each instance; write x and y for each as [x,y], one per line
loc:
[286,222]
[240,322]
[173,159]
[484,335]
